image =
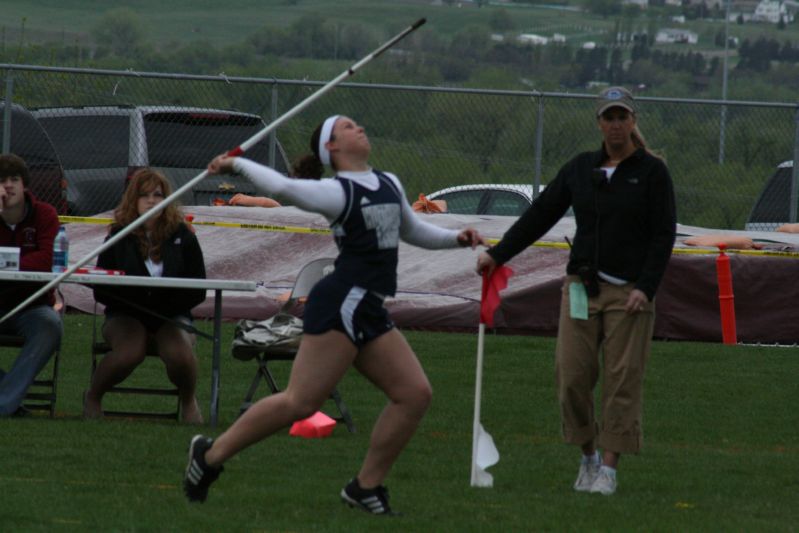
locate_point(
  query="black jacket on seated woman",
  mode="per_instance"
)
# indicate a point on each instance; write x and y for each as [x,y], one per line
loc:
[182,258]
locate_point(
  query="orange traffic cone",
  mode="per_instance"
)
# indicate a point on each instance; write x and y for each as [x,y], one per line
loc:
[316,426]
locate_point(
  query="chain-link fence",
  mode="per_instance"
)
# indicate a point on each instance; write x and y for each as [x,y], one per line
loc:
[721,154]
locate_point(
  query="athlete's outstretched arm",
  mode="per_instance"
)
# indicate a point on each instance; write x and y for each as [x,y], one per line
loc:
[416,231]
[325,197]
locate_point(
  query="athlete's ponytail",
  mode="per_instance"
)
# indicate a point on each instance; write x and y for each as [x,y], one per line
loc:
[310,165]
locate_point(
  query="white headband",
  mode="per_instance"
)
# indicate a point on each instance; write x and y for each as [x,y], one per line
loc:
[324,137]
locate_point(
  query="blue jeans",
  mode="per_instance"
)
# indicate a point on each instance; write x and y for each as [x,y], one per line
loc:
[41,326]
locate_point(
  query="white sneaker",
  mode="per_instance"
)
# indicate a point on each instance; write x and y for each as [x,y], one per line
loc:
[605,482]
[586,476]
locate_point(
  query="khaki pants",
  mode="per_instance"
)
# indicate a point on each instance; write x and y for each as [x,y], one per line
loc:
[624,341]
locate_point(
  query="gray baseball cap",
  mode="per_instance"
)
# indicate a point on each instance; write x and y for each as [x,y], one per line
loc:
[615,97]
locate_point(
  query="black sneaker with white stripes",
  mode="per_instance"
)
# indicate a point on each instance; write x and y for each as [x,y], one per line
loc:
[373,501]
[199,475]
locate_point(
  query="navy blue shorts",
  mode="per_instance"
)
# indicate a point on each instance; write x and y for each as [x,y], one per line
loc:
[353,310]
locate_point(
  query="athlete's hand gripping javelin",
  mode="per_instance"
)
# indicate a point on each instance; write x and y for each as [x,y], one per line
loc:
[221,164]
[471,237]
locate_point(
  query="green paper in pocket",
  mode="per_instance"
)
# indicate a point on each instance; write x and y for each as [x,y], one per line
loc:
[578,301]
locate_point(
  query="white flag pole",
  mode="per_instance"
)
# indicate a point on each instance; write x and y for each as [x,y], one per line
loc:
[234,152]
[478,391]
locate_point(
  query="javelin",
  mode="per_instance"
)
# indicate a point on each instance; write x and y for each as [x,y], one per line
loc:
[243,147]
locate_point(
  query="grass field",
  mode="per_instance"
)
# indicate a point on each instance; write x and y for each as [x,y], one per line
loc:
[721,452]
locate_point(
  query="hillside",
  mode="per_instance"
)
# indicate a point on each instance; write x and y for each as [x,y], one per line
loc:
[459,46]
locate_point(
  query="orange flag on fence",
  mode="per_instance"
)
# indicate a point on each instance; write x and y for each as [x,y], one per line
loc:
[491,287]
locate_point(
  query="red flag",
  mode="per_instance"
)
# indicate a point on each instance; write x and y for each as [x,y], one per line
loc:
[491,287]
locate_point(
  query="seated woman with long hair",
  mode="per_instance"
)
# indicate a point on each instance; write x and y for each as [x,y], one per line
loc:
[164,246]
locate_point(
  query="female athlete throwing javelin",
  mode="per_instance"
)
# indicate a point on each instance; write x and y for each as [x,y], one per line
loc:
[345,322]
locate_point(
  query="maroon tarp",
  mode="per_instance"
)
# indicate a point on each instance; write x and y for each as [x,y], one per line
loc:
[438,289]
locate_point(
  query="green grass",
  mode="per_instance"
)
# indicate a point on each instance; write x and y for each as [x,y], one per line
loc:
[721,451]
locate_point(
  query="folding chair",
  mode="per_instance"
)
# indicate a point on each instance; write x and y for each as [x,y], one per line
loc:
[306,279]
[42,393]
[101,348]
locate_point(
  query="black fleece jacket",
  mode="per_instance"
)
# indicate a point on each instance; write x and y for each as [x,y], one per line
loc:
[182,258]
[625,227]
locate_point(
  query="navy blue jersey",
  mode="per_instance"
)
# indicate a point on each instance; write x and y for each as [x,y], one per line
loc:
[367,235]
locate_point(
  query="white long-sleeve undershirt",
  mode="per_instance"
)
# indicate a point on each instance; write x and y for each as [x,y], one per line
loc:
[326,197]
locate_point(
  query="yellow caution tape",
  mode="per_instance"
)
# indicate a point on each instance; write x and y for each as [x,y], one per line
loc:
[84,220]
[239,225]
[262,227]
[540,244]
[686,251]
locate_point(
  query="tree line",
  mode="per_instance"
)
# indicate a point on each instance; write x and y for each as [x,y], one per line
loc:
[472,56]
[758,55]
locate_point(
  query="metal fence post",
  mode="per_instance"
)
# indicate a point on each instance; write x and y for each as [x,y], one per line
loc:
[722,130]
[273,134]
[795,169]
[7,112]
[723,118]
[539,144]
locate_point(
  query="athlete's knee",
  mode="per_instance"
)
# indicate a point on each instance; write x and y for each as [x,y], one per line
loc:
[302,406]
[418,396]
[426,396]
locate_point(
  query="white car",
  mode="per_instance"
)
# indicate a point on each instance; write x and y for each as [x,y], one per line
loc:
[488,198]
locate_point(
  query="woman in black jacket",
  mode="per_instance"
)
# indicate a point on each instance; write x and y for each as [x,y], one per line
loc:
[162,247]
[623,202]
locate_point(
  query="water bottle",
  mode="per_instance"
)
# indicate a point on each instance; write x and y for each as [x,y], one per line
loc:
[61,251]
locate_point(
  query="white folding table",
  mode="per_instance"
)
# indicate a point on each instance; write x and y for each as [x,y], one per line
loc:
[216,285]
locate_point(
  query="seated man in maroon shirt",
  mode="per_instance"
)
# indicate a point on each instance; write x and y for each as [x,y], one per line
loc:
[30,225]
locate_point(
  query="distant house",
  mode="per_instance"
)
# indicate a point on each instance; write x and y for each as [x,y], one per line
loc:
[709,4]
[532,38]
[672,35]
[771,11]
[643,4]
